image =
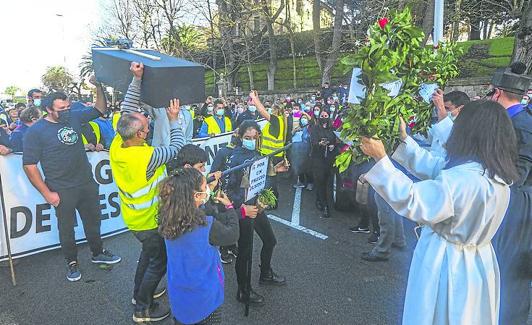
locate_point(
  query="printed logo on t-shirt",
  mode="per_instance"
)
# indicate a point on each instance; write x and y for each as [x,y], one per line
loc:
[67,135]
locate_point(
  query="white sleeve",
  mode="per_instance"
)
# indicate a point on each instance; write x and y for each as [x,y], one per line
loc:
[428,202]
[440,134]
[418,161]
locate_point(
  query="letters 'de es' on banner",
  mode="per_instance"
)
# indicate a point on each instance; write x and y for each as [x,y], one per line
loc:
[31,222]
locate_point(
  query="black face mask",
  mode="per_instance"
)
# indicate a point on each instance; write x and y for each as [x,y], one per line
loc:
[64,116]
[324,121]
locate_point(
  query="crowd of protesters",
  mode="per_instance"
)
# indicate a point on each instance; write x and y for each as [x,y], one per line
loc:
[473,165]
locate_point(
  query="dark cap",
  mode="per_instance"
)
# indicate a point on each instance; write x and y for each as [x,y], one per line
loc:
[512,78]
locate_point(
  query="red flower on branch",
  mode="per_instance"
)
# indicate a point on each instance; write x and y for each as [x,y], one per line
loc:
[383,22]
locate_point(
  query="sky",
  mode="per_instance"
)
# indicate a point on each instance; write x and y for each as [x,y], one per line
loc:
[33,37]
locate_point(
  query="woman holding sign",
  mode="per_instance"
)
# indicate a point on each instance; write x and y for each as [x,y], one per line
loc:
[251,219]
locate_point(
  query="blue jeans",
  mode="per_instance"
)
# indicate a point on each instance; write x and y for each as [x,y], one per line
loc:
[391,229]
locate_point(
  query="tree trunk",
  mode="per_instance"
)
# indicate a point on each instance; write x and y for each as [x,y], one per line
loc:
[428,21]
[485,24]
[456,18]
[272,66]
[316,26]
[294,67]
[227,42]
[523,40]
[336,42]
[474,33]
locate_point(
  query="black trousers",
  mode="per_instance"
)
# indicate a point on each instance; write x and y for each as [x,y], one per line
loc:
[322,182]
[85,199]
[261,224]
[369,212]
[151,267]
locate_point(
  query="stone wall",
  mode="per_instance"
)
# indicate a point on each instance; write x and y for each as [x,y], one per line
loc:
[471,86]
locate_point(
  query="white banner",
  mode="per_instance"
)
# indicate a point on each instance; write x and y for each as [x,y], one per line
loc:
[31,222]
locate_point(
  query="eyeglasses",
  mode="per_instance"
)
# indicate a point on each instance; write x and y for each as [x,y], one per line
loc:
[491,93]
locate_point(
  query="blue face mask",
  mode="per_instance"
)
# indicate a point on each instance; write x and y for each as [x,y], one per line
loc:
[37,102]
[524,101]
[220,112]
[317,113]
[332,108]
[252,109]
[303,121]
[249,144]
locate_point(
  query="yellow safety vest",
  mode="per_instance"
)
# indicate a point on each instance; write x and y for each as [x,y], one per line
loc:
[116,117]
[214,128]
[96,129]
[138,196]
[271,143]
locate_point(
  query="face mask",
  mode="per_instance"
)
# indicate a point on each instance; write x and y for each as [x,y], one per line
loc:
[37,102]
[303,122]
[313,97]
[306,109]
[207,195]
[269,110]
[249,144]
[324,121]
[524,101]
[297,114]
[240,110]
[332,108]
[220,112]
[317,113]
[64,116]
[210,109]
[252,109]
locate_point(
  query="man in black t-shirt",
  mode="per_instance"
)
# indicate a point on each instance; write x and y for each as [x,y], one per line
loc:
[55,142]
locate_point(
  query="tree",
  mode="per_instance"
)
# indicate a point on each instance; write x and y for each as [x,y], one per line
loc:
[523,40]
[326,64]
[12,91]
[271,17]
[57,78]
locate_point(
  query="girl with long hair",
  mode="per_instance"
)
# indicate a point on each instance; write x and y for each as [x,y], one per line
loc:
[460,201]
[195,274]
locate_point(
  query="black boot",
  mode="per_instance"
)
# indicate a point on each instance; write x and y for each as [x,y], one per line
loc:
[326,213]
[271,278]
[254,298]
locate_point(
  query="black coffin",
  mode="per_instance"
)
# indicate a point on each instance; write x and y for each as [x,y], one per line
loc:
[163,79]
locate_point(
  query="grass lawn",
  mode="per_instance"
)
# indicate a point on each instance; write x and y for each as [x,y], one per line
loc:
[481,59]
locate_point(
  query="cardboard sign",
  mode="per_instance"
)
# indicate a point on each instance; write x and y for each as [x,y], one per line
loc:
[393,87]
[257,178]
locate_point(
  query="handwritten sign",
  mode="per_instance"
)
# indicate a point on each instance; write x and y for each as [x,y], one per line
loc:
[357,90]
[257,178]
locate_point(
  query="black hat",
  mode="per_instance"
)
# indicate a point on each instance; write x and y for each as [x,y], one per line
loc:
[512,78]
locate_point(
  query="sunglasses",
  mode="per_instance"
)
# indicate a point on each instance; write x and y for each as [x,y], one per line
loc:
[490,93]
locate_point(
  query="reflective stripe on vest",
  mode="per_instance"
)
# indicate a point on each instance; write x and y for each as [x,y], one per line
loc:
[138,196]
[271,143]
[96,130]
[214,128]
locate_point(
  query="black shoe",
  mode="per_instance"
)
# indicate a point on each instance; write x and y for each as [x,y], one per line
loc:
[225,257]
[156,295]
[271,278]
[373,258]
[254,298]
[374,238]
[319,206]
[233,251]
[360,230]
[154,314]
[326,213]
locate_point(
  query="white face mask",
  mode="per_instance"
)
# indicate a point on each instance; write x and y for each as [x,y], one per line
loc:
[207,195]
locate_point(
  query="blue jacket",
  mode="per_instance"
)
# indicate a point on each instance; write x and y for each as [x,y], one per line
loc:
[195,275]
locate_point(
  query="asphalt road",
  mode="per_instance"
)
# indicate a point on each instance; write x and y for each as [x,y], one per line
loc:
[328,283]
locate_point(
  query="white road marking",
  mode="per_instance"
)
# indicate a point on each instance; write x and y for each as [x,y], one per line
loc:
[298,227]
[297,206]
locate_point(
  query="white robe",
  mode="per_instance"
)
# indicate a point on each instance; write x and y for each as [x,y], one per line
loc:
[439,134]
[454,275]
